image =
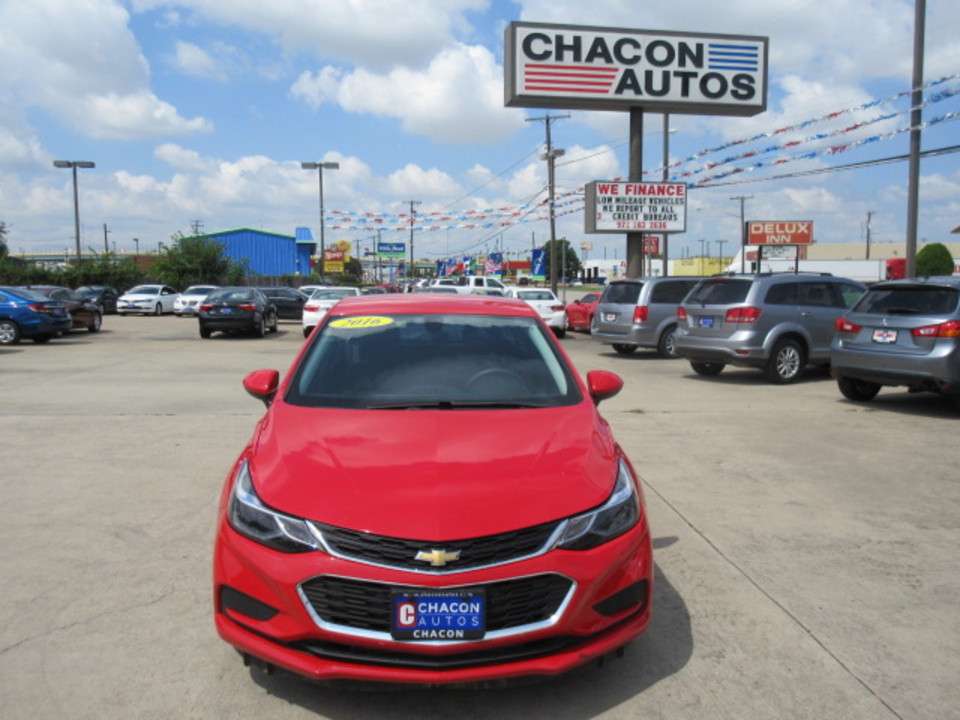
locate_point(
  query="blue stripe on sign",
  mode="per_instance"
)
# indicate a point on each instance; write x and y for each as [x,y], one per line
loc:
[732,57]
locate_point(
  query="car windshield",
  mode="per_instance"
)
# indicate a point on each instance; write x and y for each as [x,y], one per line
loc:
[910,300]
[432,361]
[625,293]
[332,294]
[535,295]
[26,294]
[720,292]
[144,290]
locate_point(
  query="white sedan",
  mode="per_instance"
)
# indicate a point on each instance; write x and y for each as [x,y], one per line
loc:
[320,302]
[548,305]
[190,299]
[148,300]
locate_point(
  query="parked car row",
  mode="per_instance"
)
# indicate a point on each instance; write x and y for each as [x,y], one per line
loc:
[42,312]
[894,333]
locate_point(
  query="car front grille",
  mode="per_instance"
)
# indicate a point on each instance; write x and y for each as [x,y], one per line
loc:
[474,552]
[363,605]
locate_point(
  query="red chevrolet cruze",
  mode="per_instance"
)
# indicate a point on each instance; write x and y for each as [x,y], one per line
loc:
[431,497]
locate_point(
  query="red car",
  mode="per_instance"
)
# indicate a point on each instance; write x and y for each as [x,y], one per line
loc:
[431,497]
[580,312]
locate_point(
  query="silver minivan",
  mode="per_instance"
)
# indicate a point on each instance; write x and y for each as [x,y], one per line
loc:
[778,322]
[640,312]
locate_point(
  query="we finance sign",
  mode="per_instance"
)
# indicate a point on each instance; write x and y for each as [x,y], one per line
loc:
[595,68]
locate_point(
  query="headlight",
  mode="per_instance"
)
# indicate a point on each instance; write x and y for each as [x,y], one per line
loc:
[254,520]
[618,514]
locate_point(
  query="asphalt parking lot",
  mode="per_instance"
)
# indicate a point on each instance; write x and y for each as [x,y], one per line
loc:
[805,546]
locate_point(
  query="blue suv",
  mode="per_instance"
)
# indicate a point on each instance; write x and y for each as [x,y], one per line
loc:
[27,314]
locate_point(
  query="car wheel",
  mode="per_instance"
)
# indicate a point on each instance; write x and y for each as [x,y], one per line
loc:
[260,328]
[96,323]
[275,325]
[560,333]
[667,346]
[786,362]
[158,310]
[707,369]
[205,332]
[9,332]
[625,349]
[40,339]
[307,331]
[858,390]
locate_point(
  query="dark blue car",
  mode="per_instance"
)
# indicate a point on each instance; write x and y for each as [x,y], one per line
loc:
[27,314]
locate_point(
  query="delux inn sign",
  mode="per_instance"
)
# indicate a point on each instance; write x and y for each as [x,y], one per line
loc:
[595,68]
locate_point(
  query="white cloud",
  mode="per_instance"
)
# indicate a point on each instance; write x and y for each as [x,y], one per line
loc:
[194,60]
[424,184]
[458,97]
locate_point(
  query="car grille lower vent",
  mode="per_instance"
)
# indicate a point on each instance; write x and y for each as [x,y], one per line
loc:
[401,553]
[367,606]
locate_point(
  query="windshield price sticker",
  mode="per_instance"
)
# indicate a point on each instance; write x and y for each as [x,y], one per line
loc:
[361,323]
[438,616]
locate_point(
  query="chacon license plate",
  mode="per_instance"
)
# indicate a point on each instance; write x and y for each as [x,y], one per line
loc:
[885,336]
[425,615]
[609,317]
[706,321]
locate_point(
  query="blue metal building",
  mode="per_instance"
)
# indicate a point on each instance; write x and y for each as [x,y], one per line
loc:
[267,253]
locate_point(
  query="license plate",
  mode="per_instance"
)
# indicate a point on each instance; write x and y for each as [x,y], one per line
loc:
[706,322]
[885,336]
[609,317]
[424,616]
[226,311]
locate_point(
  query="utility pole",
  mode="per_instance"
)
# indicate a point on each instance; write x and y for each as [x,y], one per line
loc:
[410,273]
[550,156]
[720,244]
[106,248]
[916,118]
[869,215]
[197,227]
[743,232]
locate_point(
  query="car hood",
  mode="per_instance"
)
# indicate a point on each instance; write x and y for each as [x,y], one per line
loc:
[425,474]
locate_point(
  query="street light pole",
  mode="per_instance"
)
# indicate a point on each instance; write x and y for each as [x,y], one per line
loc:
[319,167]
[73,165]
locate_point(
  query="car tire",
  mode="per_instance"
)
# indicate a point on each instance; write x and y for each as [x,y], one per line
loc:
[205,332]
[707,369]
[560,333]
[667,347]
[786,362]
[96,323]
[9,332]
[260,328]
[624,349]
[40,339]
[858,390]
[158,309]
[307,331]
[275,325]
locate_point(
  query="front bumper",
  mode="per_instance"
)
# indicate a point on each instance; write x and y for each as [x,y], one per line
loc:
[263,608]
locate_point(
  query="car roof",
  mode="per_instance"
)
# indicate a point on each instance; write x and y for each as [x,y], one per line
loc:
[439,303]
[933,281]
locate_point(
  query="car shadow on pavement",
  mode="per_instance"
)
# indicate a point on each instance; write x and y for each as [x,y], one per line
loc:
[896,400]
[663,650]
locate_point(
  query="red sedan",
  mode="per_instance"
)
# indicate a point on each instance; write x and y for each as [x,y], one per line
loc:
[580,312]
[431,497]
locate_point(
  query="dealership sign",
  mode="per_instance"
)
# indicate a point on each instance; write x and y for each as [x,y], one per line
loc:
[794,232]
[618,207]
[597,68]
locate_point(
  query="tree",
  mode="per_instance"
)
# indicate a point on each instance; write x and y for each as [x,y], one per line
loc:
[934,259]
[566,256]
[196,260]
[3,240]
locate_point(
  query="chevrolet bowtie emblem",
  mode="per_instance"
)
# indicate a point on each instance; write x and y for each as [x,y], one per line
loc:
[437,557]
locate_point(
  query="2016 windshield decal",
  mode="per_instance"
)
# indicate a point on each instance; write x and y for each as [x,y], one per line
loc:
[361,323]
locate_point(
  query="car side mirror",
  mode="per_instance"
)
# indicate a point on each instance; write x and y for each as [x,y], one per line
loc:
[262,384]
[603,385]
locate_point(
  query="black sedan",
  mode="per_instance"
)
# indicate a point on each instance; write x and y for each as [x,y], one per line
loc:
[289,301]
[103,295]
[237,309]
[85,313]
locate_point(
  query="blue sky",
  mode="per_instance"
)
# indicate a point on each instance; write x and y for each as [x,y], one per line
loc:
[202,110]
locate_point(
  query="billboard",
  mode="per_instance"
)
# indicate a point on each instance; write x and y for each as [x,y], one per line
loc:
[600,68]
[617,207]
[391,250]
[793,232]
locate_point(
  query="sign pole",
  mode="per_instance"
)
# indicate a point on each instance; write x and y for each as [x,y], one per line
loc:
[635,239]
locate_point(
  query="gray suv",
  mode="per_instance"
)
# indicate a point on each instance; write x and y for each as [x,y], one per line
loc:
[779,322]
[902,332]
[640,312]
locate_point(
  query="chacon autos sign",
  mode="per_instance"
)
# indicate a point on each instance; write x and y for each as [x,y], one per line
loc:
[596,68]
